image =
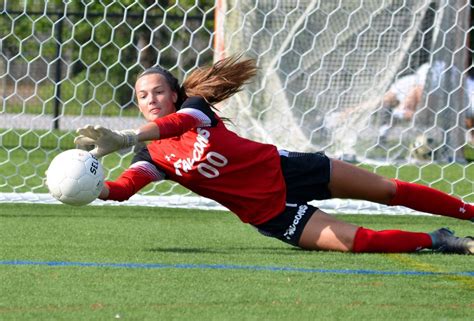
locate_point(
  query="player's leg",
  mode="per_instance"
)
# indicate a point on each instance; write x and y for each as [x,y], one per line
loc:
[349,181]
[390,100]
[412,100]
[324,232]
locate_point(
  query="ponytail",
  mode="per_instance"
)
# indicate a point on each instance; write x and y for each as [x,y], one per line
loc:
[214,83]
[221,80]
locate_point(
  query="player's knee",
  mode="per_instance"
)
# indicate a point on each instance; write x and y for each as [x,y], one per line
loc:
[389,190]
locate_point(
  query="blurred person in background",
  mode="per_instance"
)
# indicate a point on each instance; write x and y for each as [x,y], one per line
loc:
[403,98]
[405,94]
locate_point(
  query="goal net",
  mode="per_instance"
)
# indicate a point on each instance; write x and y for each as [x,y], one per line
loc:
[382,84]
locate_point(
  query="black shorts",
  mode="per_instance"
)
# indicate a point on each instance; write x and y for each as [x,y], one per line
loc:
[307,177]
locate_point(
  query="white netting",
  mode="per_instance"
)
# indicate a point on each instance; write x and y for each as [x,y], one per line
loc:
[325,67]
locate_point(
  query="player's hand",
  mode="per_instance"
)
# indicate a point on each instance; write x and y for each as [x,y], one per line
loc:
[104,140]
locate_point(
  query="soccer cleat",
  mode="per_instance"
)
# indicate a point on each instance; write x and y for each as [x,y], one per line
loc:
[444,241]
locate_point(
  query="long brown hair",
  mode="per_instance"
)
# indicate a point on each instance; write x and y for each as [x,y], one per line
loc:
[213,83]
[221,80]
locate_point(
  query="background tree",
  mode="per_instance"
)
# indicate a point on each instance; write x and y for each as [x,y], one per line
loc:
[103,45]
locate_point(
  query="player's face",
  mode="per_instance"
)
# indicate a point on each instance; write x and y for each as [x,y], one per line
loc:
[155,97]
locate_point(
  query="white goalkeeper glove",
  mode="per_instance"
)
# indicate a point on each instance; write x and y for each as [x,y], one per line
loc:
[104,140]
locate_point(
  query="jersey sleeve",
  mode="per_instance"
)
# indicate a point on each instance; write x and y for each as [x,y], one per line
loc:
[141,172]
[199,109]
[195,112]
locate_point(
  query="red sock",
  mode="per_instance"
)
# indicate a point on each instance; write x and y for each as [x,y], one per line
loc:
[426,199]
[389,241]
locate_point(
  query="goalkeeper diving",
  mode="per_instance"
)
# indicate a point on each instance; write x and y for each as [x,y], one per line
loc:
[266,187]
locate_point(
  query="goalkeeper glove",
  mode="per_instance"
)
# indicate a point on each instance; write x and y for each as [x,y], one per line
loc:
[104,140]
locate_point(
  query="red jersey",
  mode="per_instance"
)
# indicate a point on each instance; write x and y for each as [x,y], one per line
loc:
[243,175]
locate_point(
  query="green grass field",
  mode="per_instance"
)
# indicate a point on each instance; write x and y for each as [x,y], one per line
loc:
[137,263]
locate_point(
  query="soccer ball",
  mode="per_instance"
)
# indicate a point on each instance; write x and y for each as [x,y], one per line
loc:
[75,177]
[423,148]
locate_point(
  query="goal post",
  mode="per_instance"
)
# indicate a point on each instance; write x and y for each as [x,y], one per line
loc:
[328,70]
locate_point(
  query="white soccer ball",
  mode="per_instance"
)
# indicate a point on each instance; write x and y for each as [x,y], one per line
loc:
[75,177]
[423,147]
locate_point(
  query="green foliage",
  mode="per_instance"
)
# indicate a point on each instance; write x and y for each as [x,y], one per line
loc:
[79,97]
[104,43]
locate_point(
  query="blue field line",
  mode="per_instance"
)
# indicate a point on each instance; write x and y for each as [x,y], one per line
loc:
[230,267]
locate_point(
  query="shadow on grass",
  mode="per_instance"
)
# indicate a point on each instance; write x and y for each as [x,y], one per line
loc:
[279,250]
[227,250]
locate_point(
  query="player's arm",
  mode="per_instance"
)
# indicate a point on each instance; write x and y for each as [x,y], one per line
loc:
[137,176]
[195,112]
